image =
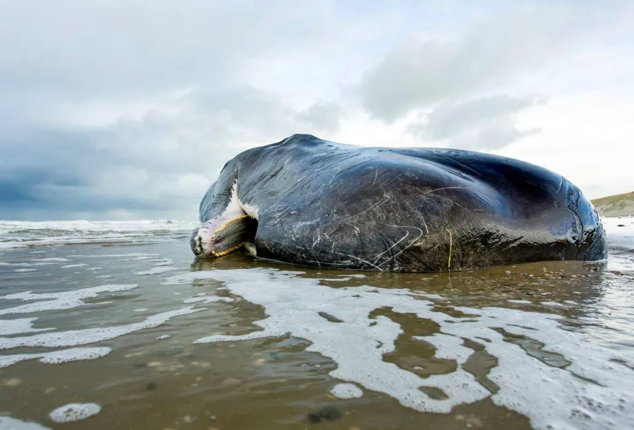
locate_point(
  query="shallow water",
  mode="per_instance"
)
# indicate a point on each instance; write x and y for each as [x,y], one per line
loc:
[121,317]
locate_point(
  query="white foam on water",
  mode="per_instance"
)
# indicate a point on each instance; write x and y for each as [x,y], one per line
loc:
[621,263]
[51,259]
[157,270]
[72,266]
[92,335]
[553,397]
[596,391]
[132,255]
[163,337]
[74,412]
[552,304]
[25,270]
[8,423]
[343,278]
[162,261]
[20,325]
[56,357]
[57,301]
[428,295]
[448,347]
[148,257]
[4,263]
[356,345]
[520,302]
[340,279]
[208,299]
[346,391]
[94,268]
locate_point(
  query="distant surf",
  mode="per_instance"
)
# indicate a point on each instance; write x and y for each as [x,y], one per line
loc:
[19,234]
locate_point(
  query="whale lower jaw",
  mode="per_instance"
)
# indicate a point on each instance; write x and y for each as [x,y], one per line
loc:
[219,237]
[231,235]
[228,232]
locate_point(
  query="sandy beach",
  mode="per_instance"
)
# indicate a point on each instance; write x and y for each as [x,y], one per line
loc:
[115,325]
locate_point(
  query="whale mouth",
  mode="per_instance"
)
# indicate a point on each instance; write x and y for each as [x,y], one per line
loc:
[219,237]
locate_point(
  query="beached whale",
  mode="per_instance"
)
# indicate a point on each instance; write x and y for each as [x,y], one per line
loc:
[318,203]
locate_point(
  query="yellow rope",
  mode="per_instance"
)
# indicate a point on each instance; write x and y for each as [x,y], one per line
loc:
[450,249]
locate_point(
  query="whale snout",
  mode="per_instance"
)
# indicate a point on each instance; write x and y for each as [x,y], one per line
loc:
[201,240]
[193,243]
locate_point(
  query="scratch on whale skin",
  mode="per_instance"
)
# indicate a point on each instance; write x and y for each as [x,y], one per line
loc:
[333,176]
[408,245]
[387,250]
[360,259]
[376,174]
[380,203]
[447,198]
[389,181]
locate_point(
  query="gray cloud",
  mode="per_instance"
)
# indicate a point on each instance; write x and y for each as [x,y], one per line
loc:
[322,115]
[161,162]
[482,123]
[130,109]
[420,73]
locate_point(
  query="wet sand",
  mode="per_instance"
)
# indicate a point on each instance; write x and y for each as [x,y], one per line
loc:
[161,341]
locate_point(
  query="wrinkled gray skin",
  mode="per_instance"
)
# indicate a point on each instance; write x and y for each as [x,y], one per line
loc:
[325,204]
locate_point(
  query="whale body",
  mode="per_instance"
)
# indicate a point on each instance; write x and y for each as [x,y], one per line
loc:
[317,203]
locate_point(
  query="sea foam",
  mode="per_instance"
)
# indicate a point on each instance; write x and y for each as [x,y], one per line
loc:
[74,412]
[92,335]
[346,391]
[57,301]
[8,423]
[157,270]
[595,391]
[56,357]
[20,325]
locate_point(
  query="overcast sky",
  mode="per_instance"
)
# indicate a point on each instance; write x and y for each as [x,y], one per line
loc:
[128,109]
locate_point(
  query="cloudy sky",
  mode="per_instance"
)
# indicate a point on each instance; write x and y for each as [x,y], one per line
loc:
[128,109]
